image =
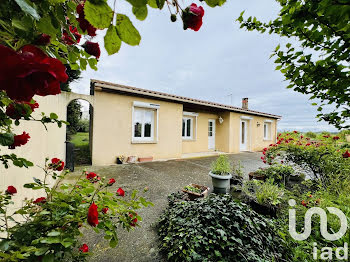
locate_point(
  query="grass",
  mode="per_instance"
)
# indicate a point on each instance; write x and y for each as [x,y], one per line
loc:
[82,148]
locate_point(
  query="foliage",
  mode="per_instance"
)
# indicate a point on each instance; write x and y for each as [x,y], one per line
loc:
[264,193]
[217,228]
[83,126]
[320,66]
[310,134]
[73,116]
[73,75]
[323,161]
[278,173]
[50,229]
[221,166]
[238,169]
[193,189]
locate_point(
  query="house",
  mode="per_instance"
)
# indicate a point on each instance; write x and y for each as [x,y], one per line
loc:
[131,121]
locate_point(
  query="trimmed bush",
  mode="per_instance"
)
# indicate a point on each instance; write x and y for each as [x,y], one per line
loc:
[217,228]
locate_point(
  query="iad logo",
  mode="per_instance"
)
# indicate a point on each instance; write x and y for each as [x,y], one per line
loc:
[326,252]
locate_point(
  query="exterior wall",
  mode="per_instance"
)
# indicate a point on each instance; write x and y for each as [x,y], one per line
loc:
[41,144]
[255,133]
[112,129]
[200,143]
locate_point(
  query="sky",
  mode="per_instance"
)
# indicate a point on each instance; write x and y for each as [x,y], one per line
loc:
[219,63]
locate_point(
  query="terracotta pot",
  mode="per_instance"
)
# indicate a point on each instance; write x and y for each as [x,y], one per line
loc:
[252,175]
[193,195]
[131,159]
[146,159]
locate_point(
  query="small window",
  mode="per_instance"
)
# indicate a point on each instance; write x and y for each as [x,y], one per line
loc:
[187,128]
[143,126]
[267,131]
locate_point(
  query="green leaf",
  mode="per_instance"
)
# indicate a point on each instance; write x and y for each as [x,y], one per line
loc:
[156,3]
[25,23]
[140,12]
[6,139]
[126,30]
[53,116]
[49,258]
[213,3]
[100,16]
[113,243]
[53,234]
[137,3]
[28,9]
[45,26]
[112,40]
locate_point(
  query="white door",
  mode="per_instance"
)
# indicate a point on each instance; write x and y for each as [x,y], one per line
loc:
[243,135]
[211,134]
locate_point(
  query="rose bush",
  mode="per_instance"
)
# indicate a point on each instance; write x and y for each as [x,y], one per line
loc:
[52,223]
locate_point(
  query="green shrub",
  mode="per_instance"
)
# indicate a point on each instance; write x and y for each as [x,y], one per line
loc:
[217,228]
[310,134]
[221,166]
[279,173]
[83,126]
[265,193]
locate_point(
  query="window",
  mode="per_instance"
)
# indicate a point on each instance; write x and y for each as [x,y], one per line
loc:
[187,128]
[267,131]
[143,126]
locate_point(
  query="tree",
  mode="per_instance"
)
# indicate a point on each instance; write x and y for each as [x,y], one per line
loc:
[73,116]
[320,66]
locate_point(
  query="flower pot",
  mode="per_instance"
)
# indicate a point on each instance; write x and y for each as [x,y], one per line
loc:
[146,159]
[132,159]
[253,175]
[194,195]
[119,161]
[221,184]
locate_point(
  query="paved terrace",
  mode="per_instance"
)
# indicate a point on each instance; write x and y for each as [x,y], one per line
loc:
[162,178]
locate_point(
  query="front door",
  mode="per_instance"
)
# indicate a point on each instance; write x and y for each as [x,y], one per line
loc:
[211,134]
[243,135]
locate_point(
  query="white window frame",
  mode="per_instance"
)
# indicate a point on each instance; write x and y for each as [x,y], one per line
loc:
[185,137]
[268,125]
[154,123]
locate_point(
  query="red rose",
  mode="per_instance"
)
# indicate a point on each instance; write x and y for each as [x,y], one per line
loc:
[40,200]
[93,215]
[68,39]
[91,175]
[84,248]
[83,23]
[307,138]
[133,220]
[92,49]
[19,140]
[11,190]
[192,17]
[295,132]
[57,164]
[326,136]
[304,203]
[111,181]
[43,39]
[336,137]
[120,192]
[346,154]
[105,210]
[264,161]
[265,149]
[307,144]
[301,137]
[18,110]
[30,72]
[282,162]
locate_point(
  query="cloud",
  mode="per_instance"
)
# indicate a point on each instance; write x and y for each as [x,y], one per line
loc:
[218,60]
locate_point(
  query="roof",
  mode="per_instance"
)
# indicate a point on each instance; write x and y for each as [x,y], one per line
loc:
[175,98]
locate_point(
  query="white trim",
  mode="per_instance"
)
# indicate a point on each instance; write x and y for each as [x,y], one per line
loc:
[152,139]
[189,113]
[268,121]
[146,105]
[191,130]
[268,125]
[213,133]
[246,118]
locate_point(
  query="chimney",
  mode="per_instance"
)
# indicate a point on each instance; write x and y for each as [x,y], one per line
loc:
[245,103]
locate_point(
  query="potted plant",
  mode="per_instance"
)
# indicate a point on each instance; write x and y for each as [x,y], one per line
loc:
[120,159]
[221,174]
[195,191]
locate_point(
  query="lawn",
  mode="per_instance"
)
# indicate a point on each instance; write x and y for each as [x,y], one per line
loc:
[82,148]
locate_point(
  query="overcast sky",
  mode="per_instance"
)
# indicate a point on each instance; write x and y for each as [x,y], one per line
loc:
[218,60]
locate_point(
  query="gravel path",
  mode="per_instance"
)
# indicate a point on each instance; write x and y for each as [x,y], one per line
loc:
[162,178]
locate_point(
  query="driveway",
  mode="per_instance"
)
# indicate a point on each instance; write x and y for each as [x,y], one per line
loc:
[162,178]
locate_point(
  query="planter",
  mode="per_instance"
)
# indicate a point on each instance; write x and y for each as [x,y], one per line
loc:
[119,161]
[221,184]
[253,175]
[194,195]
[146,159]
[131,159]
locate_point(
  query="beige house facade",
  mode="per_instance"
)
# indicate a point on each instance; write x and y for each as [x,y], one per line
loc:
[136,122]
